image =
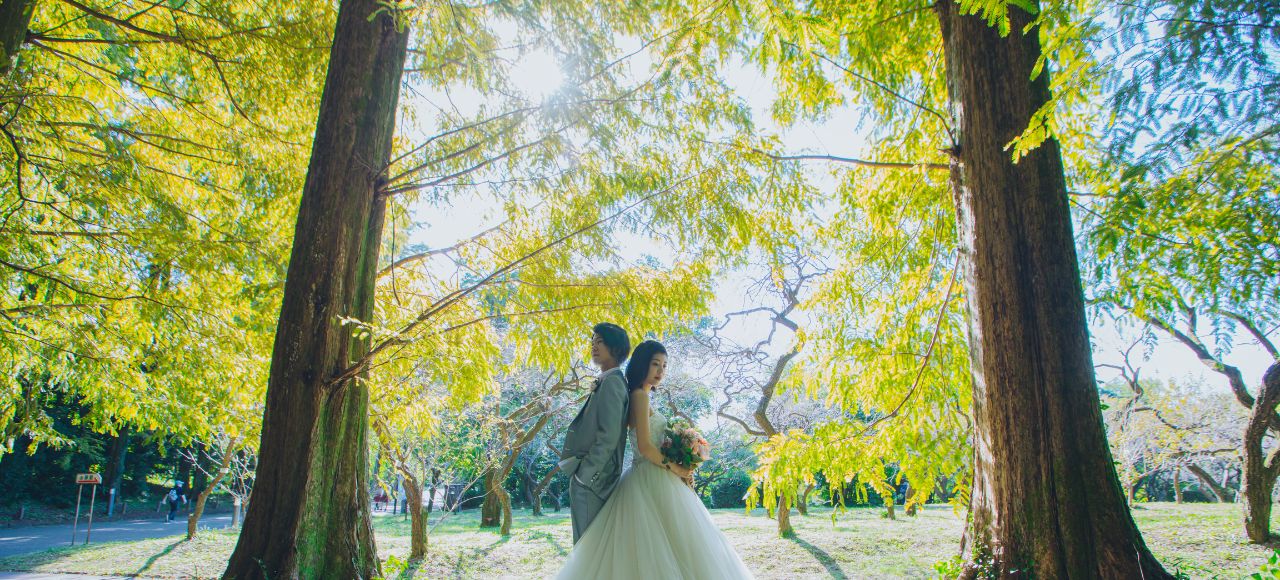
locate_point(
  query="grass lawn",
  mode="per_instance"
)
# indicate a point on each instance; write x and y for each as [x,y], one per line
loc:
[1201,540]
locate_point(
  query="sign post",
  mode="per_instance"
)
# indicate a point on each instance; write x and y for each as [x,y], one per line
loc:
[83,479]
[76,522]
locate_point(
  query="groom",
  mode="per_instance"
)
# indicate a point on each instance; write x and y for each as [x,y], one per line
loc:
[596,440]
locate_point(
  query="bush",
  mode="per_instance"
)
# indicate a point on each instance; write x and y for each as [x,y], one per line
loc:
[730,489]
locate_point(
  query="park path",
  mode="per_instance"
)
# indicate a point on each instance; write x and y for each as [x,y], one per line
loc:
[14,541]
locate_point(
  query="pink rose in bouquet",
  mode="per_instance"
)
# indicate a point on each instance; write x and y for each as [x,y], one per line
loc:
[684,445]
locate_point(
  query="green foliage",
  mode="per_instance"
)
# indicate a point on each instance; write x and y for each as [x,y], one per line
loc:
[1271,569]
[950,568]
[150,162]
[1185,214]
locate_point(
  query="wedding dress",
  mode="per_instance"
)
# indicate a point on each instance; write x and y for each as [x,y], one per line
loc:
[653,526]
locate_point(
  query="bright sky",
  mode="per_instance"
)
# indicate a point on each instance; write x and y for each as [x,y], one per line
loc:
[539,75]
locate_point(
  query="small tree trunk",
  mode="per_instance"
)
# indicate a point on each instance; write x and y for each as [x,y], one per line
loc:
[1177,484]
[505,500]
[802,505]
[540,489]
[784,518]
[1260,471]
[1220,494]
[193,520]
[491,509]
[417,520]
[907,502]
[1046,500]
[555,499]
[115,468]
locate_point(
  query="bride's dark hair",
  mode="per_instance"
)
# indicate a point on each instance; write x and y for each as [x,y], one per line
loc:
[641,358]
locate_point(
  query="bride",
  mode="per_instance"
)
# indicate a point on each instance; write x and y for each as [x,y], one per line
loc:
[653,526]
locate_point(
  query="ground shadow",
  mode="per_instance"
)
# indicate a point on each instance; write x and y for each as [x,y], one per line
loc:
[833,567]
[162,553]
[459,567]
[410,570]
[550,538]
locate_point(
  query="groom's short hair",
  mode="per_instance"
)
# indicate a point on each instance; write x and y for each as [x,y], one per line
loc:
[615,339]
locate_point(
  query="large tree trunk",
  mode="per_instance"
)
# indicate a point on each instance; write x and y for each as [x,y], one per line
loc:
[1046,500]
[15,17]
[1260,471]
[1221,493]
[309,513]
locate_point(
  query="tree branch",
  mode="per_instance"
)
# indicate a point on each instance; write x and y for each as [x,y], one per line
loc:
[1256,332]
[455,297]
[854,161]
[436,252]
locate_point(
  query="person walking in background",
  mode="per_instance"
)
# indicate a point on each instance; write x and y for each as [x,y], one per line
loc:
[176,494]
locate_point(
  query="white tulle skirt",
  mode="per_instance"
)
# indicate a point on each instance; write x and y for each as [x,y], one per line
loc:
[652,527]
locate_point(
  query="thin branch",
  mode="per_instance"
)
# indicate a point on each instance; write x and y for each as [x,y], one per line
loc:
[1256,332]
[945,123]
[853,161]
[937,330]
[436,252]
[458,295]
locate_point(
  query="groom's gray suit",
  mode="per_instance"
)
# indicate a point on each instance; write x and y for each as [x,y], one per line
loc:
[594,448]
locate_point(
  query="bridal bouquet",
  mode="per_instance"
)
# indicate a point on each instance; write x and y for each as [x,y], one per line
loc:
[684,445]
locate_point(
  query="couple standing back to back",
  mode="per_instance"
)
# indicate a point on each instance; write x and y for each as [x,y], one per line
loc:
[646,523]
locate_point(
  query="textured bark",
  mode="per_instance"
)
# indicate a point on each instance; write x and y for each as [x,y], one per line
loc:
[15,17]
[784,518]
[908,501]
[1260,470]
[1220,492]
[495,512]
[417,520]
[1177,484]
[309,512]
[1046,500]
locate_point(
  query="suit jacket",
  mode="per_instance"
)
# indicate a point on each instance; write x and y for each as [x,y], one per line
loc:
[597,438]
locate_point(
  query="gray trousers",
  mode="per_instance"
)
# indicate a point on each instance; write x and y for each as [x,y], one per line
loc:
[584,505]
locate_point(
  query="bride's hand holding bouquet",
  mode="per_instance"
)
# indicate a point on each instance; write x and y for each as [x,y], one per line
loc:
[683,448]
